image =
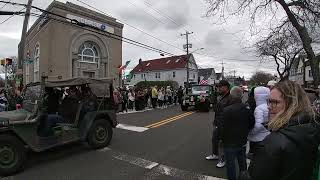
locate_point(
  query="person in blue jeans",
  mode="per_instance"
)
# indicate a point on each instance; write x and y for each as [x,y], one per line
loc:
[236,122]
[49,117]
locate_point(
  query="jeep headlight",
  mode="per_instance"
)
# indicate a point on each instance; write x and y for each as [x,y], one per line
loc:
[4,123]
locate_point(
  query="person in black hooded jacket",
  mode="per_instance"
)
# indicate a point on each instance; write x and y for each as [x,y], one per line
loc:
[290,151]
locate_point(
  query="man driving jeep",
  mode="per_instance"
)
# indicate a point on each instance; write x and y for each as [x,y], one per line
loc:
[49,118]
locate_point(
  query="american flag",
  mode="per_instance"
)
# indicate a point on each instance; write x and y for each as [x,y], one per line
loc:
[203,81]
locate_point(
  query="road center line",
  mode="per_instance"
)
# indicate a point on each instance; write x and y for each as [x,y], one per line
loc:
[169,119]
[132,128]
[163,123]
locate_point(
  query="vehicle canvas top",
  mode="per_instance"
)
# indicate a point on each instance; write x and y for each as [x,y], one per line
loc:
[100,87]
[77,82]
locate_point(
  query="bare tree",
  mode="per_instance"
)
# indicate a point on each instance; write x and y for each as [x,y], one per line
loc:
[283,46]
[304,15]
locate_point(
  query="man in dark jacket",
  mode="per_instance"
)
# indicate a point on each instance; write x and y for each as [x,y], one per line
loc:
[235,126]
[223,101]
[180,95]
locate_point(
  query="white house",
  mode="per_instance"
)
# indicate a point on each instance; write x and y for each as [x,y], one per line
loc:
[172,68]
[297,70]
[208,74]
[300,71]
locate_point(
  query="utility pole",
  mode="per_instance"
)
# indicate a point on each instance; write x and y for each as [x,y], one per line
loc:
[222,70]
[23,35]
[187,47]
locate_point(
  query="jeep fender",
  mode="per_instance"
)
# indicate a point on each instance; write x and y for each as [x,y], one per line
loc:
[90,117]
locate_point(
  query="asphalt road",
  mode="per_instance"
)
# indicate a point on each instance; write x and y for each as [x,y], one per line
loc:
[155,144]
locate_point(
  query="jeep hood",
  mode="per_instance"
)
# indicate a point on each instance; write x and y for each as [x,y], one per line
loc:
[16,115]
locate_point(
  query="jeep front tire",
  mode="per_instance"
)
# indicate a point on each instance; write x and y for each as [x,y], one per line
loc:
[100,134]
[12,154]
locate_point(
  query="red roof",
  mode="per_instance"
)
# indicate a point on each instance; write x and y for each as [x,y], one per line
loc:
[167,63]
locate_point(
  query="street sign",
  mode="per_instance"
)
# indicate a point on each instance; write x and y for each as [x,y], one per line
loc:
[28,61]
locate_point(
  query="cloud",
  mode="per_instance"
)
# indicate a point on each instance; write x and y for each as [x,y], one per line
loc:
[139,18]
[214,38]
[220,42]
[8,46]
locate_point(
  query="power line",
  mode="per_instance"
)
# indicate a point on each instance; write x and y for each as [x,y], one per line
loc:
[10,17]
[169,18]
[5,4]
[74,22]
[114,36]
[121,21]
[159,20]
[230,59]
[162,14]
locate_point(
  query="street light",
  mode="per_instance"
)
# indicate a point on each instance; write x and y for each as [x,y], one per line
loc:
[196,50]
[188,63]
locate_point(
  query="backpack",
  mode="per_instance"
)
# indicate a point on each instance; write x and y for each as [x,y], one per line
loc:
[252,119]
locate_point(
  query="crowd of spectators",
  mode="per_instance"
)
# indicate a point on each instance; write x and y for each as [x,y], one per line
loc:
[130,99]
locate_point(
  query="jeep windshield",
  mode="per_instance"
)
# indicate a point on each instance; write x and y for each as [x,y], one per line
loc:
[30,97]
[200,89]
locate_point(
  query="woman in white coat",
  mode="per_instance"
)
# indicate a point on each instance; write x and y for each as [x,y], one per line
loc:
[259,131]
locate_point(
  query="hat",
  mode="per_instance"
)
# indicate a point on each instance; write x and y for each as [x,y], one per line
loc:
[271,83]
[223,83]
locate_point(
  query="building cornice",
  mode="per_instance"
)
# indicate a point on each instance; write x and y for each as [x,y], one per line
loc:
[78,10]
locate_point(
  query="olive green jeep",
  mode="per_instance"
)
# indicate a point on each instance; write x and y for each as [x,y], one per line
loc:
[79,109]
[201,97]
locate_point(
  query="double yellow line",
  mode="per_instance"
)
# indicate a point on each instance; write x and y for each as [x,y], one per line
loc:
[163,122]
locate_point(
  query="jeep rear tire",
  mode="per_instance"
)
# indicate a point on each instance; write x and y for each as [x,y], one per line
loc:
[100,134]
[12,155]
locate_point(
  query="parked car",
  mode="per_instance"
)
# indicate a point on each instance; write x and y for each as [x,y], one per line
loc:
[201,97]
[89,117]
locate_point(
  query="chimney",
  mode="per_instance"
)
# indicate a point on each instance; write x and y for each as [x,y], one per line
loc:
[140,60]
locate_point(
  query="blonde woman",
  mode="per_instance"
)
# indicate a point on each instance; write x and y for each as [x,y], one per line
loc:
[289,152]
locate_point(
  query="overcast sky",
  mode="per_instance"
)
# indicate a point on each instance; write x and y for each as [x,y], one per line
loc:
[165,20]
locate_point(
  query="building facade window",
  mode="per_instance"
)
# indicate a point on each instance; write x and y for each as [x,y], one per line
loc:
[310,73]
[36,63]
[88,74]
[27,74]
[173,74]
[141,76]
[157,75]
[89,52]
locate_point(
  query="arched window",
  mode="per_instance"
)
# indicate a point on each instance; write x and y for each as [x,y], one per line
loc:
[89,52]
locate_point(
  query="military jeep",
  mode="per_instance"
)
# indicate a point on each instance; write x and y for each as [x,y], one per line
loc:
[201,97]
[88,116]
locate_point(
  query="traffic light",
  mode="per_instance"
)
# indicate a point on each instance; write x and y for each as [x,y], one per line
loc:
[9,61]
[6,61]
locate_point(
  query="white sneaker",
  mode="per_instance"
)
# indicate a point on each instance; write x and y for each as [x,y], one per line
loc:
[221,164]
[212,157]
